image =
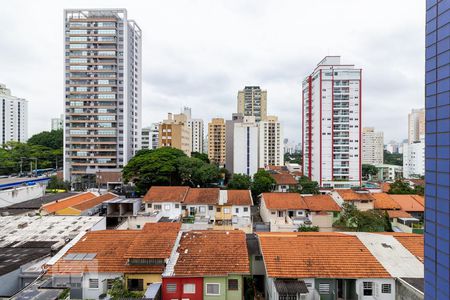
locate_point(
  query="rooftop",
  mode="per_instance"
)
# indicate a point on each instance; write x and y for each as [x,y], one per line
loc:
[166,194]
[34,204]
[398,214]
[67,202]
[413,242]
[12,258]
[409,203]
[239,197]
[321,203]
[284,201]
[284,179]
[202,196]
[94,201]
[384,201]
[212,253]
[351,195]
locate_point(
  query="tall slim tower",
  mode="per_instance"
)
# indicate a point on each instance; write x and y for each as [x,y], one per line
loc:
[13,117]
[372,146]
[270,143]
[331,129]
[416,125]
[216,141]
[102,69]
[252,101]
[437,150]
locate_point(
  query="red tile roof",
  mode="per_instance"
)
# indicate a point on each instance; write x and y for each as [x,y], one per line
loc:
[104,177]
[284,179]
[318,255]
[94,201]
[202,196]
[398,214]
[385,187]
[283,201]
[409,203]
[67,202]
[239,197]
[351,195]
[212,253]
[384,201]
[166,194]
[321,203]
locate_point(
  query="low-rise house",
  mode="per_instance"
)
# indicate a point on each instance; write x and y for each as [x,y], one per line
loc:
[91,265]
[361,199]
[383,201]
[284,182]
[87,208]
[284,211]
[59,206]
[336,265]
[165,200]
[241,202]
[412,204]
[323,211]
[207,265]
[200,204]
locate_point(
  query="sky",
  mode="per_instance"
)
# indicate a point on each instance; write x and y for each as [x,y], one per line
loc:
[199,53]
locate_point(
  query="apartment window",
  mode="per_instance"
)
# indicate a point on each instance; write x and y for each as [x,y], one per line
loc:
[189,288]
[93,283]
[157,206]
[171,287]
[233,284]
[367,288]
[213,289]
[386,288]
[324,288]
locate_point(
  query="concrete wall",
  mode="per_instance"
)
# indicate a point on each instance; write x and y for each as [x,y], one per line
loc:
[225,294]
[168,209]
[404,291]
[21,194]
[325,222]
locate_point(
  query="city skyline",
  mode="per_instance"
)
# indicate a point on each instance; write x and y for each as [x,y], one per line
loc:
[179,73]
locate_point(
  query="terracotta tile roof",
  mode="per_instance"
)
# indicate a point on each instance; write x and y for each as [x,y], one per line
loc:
[284,179]
[67,202]
[239,197]
[166,194]
[398,214]
[351,195]
[411,241]
[384,201]
[209,253]
[318,255]
[202,196]
[419,199]
[110,248]
[94,201]
[385,187]
[321,203]
[104,177]
[408,203]
[283,201]
[156,241]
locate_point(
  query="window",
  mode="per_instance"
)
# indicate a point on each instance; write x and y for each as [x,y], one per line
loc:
[324,288]
[245,209]
[219,209]
[177,205]
[167,206]
[202,209]
[135,284]
[93,283]
[109,283]
[226,210]
[171,287]
[210,207]
[189,288]
[386,288]
[233,284]
[212,289]
[157,206]
[237,210]
[367,288]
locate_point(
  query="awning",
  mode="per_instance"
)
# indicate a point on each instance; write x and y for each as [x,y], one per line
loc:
[290,286]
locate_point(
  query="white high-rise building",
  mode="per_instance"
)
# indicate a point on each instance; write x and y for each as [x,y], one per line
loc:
[13,117]
[197,131]
[416,125]
[331,126]
[372,146]
[102,50]
[414,159]
[58,123]
[241,145]
[270,143]
[149,137]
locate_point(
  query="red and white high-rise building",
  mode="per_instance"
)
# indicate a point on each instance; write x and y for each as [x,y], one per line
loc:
[331,126]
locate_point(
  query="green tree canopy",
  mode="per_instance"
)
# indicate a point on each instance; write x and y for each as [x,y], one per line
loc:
[392,158]
[201,156]
[307,186]
[262,183]
[295,157]
[400,187]
[369,170]
[239,182]
[367,221]
[51,139]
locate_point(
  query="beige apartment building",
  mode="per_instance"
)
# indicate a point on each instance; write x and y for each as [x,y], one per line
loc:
[416,125]
[216,141]
[174,132]
[252,101]
[372,146]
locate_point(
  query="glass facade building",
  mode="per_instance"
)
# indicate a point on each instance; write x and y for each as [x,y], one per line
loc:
[437,152]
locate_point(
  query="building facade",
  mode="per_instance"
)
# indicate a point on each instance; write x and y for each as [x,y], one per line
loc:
[270,143]
[13,117]
[372,146]
[252,101]
[102,67]
[437,150]
[331,129]
[216,141]
[149,136]
[58,123]
[414,159]
[416,125]
[174,132]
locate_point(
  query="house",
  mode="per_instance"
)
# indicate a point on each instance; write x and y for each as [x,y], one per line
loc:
[412,204]
[362,199]
[323,211]
[284,211]
[241,202]
[125,213]
[87,208]
[59,206]
[207,265]
[165,200]
[284,182]
[336,265]
[200,203]
[91,265]
[383,201]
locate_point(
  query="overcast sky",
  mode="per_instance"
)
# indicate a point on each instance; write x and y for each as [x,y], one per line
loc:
[200,53]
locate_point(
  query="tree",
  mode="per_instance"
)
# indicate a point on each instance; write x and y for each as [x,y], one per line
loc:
[307,186]
[400,187]
[419,190]
[369,171]
[118,291]
[367,221]
[195,172]
[304,228]
[225,175]
[295,157]
[51,139]
[239,182]
[201,156]
[392,158]
[262,183]
[58,184]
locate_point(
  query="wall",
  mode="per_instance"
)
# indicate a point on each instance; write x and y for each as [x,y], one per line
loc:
[404,291]
[363,206]
[324,221]
[377,289]
[147,278]
[172,212]
[89,293]
[225,294]
[21,194]
[68,211]
[198,281]
[265,213]
[9,283]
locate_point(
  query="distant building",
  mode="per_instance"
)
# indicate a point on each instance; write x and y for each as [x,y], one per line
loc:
[149,137]
[388,172]
[416,125]
[252,101]
[13,117]
[197,131]
[270,142]
[393,147]
[216,141]
[414,159]
[58,123]
[372,146]
[331,126]
[175,132]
